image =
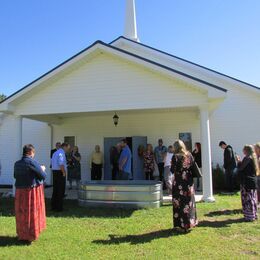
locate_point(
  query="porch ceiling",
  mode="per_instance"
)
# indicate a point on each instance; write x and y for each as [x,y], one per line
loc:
[59,118]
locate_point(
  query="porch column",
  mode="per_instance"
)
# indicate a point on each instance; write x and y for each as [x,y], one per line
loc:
[206,154]
[18,141]
[51,147]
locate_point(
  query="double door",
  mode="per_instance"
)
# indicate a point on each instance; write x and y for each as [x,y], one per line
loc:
[134,143]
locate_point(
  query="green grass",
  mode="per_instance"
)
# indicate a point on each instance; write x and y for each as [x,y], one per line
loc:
[81,233]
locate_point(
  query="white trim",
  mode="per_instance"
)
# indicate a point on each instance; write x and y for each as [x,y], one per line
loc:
[164,56]
[99,48]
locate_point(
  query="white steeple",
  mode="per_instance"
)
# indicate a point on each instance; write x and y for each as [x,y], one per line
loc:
[130,21]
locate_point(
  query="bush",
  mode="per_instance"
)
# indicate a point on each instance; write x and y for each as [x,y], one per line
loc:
[218,177]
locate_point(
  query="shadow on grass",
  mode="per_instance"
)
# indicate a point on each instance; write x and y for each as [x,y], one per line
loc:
[224,212]
[220,223]
[11,241]
[7,207]
[71,210]
[138,239]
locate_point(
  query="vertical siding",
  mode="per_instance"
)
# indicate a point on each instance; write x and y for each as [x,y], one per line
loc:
[236,121]
[7,146]
[34,132]
[39,135]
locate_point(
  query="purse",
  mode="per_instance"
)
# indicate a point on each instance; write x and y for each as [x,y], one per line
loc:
[195,170]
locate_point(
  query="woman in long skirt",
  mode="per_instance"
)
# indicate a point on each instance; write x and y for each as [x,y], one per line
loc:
[183,193]
[248,171]
[29,196]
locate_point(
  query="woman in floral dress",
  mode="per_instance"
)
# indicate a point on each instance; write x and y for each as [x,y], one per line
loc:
[248,170]
[183,193]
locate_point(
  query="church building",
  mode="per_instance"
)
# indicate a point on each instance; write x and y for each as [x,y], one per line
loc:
[155,95]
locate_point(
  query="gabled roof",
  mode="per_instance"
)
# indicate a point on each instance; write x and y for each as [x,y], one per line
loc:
[48,72]
[118,50]
[184,60]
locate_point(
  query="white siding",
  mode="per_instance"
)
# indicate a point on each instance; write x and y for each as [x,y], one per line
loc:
[108,83]
[91,130]
[34,132]
[236,121]
[39,135]
[180,65]
[7,146]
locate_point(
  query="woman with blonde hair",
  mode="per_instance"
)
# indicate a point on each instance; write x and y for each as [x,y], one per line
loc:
[248,170]
[183,193]
[257,151]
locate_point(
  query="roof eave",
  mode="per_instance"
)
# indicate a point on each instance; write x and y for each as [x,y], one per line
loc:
[5,105]
[122,39]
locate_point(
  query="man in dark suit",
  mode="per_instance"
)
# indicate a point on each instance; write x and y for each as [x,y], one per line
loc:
[229,165]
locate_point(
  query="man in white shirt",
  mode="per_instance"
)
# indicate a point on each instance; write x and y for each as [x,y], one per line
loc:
[59,169]
[167,169]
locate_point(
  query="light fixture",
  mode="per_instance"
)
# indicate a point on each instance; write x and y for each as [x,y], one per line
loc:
[115,119]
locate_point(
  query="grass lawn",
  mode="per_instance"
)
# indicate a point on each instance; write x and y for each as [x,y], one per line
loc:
[81,233]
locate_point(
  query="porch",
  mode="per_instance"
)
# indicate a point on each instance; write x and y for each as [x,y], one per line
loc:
[89,129]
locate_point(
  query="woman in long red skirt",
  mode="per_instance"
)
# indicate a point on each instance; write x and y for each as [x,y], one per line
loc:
[29,196]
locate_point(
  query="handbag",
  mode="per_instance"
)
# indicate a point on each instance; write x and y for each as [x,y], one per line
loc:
[195,170]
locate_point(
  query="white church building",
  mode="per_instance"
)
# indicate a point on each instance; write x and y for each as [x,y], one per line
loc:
[155,94]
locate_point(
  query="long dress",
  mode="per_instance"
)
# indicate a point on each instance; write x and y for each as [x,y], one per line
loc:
[30,212]
[183,193]
[248,188]
[258,183]
[29,199]
[148,165]
[74,168]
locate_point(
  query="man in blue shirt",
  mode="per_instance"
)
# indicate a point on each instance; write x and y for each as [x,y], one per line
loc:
[59,170]
[125,161]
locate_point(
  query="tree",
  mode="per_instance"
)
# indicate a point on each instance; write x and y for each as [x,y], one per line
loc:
[2,97]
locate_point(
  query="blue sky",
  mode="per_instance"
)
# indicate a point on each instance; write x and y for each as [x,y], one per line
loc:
[37,35]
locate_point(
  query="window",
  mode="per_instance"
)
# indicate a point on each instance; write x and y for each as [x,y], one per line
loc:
[71,140]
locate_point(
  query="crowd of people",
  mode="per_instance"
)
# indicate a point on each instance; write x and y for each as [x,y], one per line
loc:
[176,166]
[121,163]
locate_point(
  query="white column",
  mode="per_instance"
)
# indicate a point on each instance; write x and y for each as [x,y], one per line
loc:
[51,146]
[206,154]
[18,141]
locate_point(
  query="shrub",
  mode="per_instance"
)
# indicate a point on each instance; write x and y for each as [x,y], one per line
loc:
[218,177]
